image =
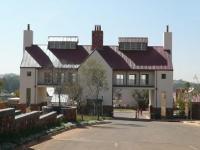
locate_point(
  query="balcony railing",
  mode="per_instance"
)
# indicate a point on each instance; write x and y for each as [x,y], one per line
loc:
[133,84]
[43,82]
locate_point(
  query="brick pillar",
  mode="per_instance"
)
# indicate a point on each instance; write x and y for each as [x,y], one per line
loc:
[97,38]
[155,112]
[7,117]
[21,107]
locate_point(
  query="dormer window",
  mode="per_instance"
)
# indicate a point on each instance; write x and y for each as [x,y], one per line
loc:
[62,42]
[133,43]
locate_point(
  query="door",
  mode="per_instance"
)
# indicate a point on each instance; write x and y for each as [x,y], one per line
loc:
[28,96]
[163,104]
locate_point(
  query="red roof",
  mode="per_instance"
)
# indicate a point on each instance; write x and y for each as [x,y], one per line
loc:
[113,59]
[71,56]
[154,58]
[41,58]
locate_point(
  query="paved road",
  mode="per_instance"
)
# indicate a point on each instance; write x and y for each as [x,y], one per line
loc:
[127,135]
[128,113]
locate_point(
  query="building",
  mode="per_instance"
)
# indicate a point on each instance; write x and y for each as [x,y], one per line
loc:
[130,65]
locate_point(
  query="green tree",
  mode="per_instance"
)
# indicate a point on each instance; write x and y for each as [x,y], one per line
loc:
[187,86]
[94,75]
[142,98]
[1,85]
[74,91]
[10,82]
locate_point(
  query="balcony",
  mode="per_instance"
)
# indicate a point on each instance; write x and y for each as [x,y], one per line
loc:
[133,83]
[43,82]
[133,79]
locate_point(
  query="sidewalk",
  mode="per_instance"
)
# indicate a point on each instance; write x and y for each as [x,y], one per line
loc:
[192,122]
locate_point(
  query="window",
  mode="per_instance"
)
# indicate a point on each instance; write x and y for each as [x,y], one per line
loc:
[60,77]
[28,73]
[163,76]
[72,77]
[131,79]
[47,77]
[132,46]
[119,79]
[144,79]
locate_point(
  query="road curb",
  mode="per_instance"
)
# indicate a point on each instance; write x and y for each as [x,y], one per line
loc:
[194,123]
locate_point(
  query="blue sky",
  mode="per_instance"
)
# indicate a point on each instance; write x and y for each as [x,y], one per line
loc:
[117,18]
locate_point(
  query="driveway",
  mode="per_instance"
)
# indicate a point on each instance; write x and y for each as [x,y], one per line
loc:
[127,135]
[130,114]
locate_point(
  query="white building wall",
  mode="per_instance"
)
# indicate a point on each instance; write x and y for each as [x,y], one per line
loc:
[168,40]
[28,38]
[41,94]
[107,94]
[28,82]
[165,85]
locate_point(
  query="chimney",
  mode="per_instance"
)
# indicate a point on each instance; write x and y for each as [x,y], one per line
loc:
[28,37]
[97,38]
[168,39]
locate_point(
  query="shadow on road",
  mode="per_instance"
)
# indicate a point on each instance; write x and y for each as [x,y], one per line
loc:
[104,127]
[131,119]
[129,125]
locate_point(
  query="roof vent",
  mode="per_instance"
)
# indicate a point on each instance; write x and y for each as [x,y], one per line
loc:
[62,42]
[133,43]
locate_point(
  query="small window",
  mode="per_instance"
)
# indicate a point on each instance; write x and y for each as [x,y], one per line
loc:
[144,79]
[29,73]
[119,79]
[47,78]
[131,79]
[163,76]
[72,77]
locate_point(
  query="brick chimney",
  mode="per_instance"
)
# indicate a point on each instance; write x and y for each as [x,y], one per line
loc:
[97,38]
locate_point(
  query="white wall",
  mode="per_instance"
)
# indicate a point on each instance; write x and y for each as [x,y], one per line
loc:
[165,85]
[41,94]
[107,94]
[28,82]
[168,40]
[28,38]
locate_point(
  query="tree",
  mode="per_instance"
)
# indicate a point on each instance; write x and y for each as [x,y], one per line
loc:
[141,98]
[180,103]
[74,91]
[187,86]
[94,76]
[10,82]
[60,83]
[117,97]
[1,85]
